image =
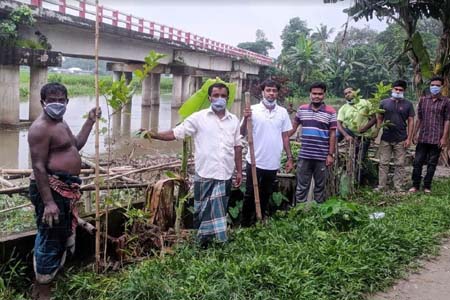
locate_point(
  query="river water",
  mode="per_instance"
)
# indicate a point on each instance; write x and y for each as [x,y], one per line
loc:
[14,152]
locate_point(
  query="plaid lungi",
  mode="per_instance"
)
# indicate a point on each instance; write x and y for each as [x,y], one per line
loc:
[51,243]
[210,207]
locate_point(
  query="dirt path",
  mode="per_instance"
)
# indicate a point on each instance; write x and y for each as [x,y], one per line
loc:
[430,282]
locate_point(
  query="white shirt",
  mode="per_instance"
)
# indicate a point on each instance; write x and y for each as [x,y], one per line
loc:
[214,141]
[268,125]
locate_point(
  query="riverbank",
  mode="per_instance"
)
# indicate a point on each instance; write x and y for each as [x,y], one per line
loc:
[80,85]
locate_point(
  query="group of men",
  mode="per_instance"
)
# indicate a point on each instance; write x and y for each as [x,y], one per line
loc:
[217,133]
[399,131]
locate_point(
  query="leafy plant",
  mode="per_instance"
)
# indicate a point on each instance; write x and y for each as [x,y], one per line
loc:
[341,214]
[9,26]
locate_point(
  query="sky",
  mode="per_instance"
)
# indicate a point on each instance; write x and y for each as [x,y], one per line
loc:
[235,21]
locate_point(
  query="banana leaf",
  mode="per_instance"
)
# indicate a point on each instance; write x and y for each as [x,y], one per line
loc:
[199,100]
[421,52]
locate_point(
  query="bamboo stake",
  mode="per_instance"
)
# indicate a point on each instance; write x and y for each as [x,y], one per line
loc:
[97,149]
[27,172]
[252,159]
[104,170]
[6,182]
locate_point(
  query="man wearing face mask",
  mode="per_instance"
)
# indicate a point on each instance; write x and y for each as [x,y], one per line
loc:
[271,124]
[318,139]
[54,183]
[430,134]
[397,135]
[218,151]
[353,122]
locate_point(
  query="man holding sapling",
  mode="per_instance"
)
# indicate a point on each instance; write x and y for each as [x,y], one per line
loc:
[271,125]
[318,139]
[397,135]
[355,124]
[54,184]
[430,134]
[218,151]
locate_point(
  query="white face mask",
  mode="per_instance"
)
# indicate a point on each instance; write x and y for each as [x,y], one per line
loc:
[270,103]
[396,95]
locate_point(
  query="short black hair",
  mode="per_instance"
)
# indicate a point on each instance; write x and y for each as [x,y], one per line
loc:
[437,78]
[269,83]
[218,85]
[52,87]
[400,83]
[318,85]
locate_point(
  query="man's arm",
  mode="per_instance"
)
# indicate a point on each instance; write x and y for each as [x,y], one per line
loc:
[295,125]
[341,129]
[238,163]
[39,143]
[83,135]
[410,132]
[415,136]
[247,114]
[332,147]
[444,138]
[163,135]
[372,121]
[287,149]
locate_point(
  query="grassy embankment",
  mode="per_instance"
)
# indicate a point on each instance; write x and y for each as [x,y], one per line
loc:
[79,85]
[334,251]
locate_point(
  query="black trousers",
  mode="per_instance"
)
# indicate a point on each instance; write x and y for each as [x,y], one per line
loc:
[266,181]
[425,154]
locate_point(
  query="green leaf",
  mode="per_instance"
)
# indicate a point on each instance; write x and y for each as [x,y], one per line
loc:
[200,100]
[422,54]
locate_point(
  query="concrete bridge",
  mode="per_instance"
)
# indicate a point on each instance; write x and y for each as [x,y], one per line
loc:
[124,41]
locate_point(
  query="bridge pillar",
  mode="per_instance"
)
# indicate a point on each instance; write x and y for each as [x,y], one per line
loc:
[117,115]
[186,93]
[126,110]
[9,94]
[38,78]
[156,88]
[198,83]
[192,85]
[237,78]
[177,90]
[146,101]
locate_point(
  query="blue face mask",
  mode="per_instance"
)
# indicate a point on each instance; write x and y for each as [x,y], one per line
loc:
[396,95]
[218,104]
[435,89]
[269,103]
[55,110]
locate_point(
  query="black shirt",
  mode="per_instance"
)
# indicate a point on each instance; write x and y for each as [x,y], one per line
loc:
[397,112]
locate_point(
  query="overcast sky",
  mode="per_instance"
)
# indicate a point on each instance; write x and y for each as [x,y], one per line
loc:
[235,21]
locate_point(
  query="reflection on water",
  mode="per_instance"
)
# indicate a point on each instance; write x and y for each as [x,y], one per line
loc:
[14,151]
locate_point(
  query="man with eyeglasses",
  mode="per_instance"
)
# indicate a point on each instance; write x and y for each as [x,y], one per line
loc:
[54,184]
[398,115]
[430,134]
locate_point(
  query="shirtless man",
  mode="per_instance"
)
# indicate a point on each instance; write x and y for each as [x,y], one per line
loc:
[54,183]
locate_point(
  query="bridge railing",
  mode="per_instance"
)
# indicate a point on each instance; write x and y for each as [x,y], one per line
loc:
[87,10]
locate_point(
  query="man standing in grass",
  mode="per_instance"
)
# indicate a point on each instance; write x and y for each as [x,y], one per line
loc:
[397,135]
[318,142]
[353,122]
[218,151]
[271,124]
[430,134]
[54,184]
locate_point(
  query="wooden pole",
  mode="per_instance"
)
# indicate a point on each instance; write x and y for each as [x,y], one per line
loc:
[97,152]
[252,159]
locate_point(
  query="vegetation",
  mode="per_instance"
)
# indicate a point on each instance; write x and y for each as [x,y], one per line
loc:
[82,85]
[261,45]
[333,251]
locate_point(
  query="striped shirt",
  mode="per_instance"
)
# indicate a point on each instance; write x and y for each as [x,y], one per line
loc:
[432,116]
[316,126]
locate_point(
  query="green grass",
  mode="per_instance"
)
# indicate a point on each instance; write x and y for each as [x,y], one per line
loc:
[16,220]
[310,252]
[79,85]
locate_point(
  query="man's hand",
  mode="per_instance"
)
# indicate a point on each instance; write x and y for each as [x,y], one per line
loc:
[92,114]
[415,140]
[289,165]
[348,138]
[443,142]
[362,129]
[247,112]
[407,143]
[51,214]
[238,180]
[329,161]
